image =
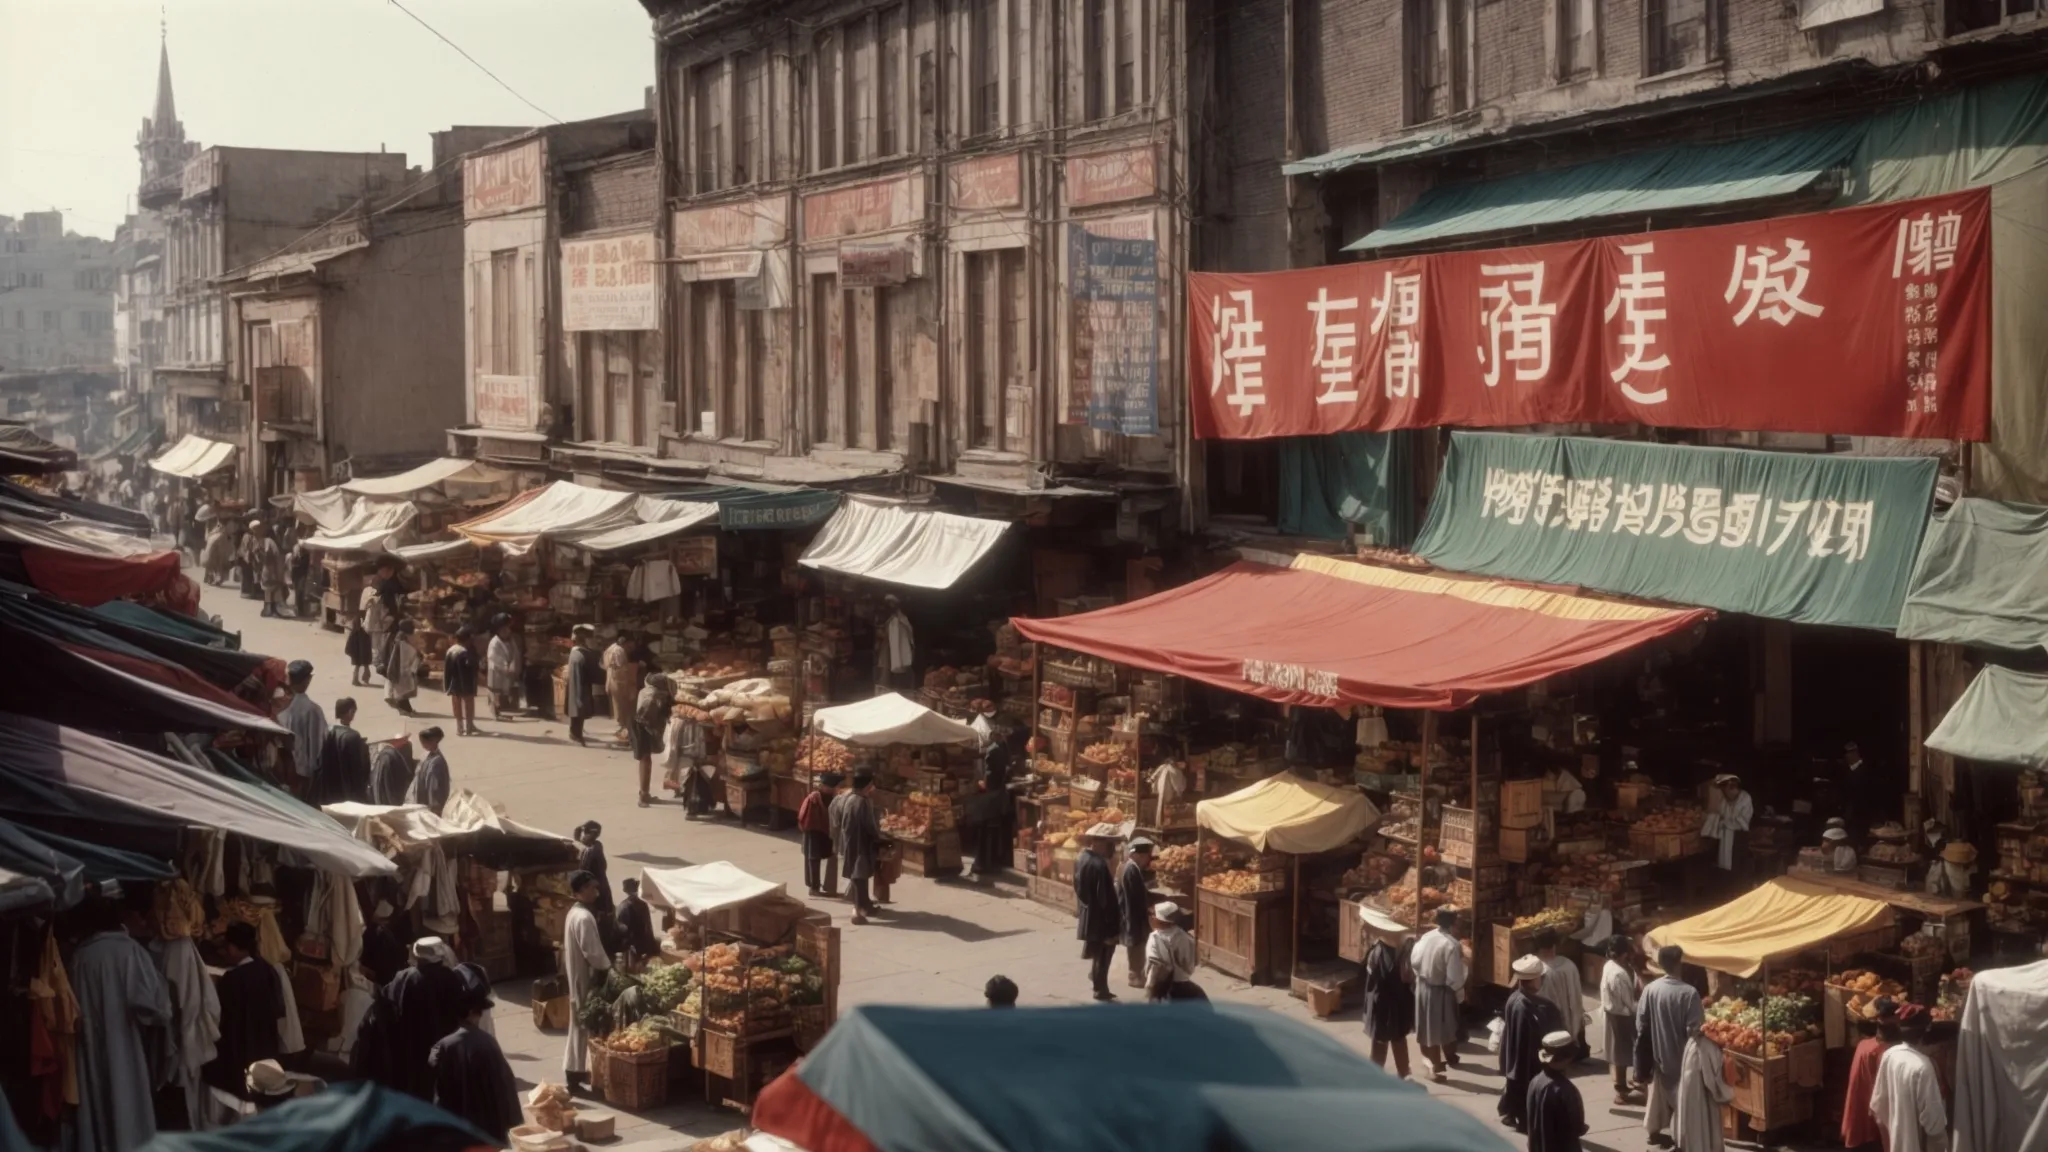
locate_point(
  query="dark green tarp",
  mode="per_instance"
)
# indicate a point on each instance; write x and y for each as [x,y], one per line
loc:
[168,623]
[1982,578]
[359,1117]
[1812,539]
[1635,184]
[2001,718]
[1330,482]
[102,861]
[65,874]
[1164,1078]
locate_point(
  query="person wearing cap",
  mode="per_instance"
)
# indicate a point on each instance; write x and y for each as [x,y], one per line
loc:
[344,760]
[402,669]
[458,680]
[857,837]
[1702,1092]
[581,682]
[430,784]
[1906,1099]
[391,770]
[1879,1029]
[1556,1112]
[1841,856]
[1439,963]
[251,1004]
[1728,825]
[472,1078]
[1134,903]
[650,721]
[267,1085]
[1526,1020]
[1949,875]
[636,922]
[308,725]
[1667,1016]
[584,963]
[267,568]
[814,824]
[1170,957]
[1619,988]
[1098,919]
[1389,989]
[1000,992]
[426,999]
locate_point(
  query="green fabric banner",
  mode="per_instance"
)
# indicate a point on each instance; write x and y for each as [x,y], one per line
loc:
[743,509]
[1812,539]
[1328,483]
[1982,578]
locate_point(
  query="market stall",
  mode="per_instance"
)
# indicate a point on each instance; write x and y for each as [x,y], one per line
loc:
[922,762]
[2001,1074]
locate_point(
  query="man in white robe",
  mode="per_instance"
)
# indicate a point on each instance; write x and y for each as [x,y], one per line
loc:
[1563,986]
[1728,826]
[1439,964]
[1702,1090]
[1907,1099]
[124,1017]
[584,963]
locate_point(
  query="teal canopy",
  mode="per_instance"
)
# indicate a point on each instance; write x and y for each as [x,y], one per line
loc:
[1328,483]
[1635,184]
[101,862]
[742,509]
[355,1117]
[169,624]
[1209,1077]
[1982,578]
[2002,718]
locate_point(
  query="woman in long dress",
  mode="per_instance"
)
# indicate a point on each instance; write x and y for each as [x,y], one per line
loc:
[402,672]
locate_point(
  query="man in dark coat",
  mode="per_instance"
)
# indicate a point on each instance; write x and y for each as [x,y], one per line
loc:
[1134,905]
[1557,1114]
[1529,1018]
[384,954]
[391,771]
[1389,989]
[1099,921]
[593,862]
[344,760]
[994,813]
[251,1004]
[471,1076]
[430,785]
[636,922]
[584,682]
[857,836]
[427,998]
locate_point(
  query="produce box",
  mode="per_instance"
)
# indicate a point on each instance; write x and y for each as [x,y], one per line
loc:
[1521,803]
[1664,845]
[1520,845]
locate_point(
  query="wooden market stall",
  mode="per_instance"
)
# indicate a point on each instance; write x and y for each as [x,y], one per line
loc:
[922,761]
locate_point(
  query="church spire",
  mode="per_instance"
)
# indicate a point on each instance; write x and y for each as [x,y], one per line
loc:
[166,108]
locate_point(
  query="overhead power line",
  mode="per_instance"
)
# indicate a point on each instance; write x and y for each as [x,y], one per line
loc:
[473,60]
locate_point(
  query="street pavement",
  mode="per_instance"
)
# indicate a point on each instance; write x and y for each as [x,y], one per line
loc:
[937,944]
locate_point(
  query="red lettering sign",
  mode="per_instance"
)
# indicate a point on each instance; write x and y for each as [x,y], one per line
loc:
[504,181]
[1872,321]
[862,208]
[986,182]
[1106,177]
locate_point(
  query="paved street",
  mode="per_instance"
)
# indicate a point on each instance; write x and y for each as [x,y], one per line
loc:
[936,945]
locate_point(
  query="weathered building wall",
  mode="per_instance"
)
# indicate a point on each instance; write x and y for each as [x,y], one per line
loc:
[608,260]
[56,295]
[393,365]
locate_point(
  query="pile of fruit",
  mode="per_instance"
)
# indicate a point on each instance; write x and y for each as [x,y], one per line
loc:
[824,754]
[646,1036]
[1955,989]
[1240,882]
[1796,982]
[1108,753]
[910,823]
[1864,987]
[1738,1026]
[1671,820]
[1373,873]
[1123,779]
[664,986]
[1070,833]
[1173,867]
[1594,872]
[1555,919]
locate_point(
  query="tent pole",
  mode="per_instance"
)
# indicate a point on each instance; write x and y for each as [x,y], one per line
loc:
[1422,814]
[1294,925]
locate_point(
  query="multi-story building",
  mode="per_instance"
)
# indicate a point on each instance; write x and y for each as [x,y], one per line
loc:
[56,295]
[559,339]
[138,319]
[925,235]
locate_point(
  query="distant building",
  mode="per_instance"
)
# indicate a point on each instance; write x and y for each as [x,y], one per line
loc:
[56,296]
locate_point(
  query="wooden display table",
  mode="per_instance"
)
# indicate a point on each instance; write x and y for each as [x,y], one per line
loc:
[1249,937]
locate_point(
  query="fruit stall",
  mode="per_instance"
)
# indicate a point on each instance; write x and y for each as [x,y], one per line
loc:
[1252,848]
[922,763]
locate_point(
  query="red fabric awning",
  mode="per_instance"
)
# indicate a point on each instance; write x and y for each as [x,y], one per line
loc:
[1328,632]
[88,579]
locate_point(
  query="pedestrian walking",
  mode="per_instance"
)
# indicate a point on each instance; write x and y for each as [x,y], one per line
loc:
[458,679]
[356,646]
[857,835]
[1906,1100]
[1702,1093]
[1619,990]
[1099,915]
[650,719]
[1879,1029]
[1389,989]
[427,999]
[306,723]
[472,1078]
[1667,1016]
[622,676]
[504,666]
[430,785]
[1439,979]
[269,564]
[377,618]
[1556,1111]
[402,670]
[1134,904]
[592,860]
[1526,1020]
[580,689]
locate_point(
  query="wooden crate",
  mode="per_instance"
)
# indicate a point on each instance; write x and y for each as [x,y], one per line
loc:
[1520,845]
[1508,946]
[1664,845]
[787,792]
[1053,892]
[1877,938]
[1458,839]
[940,857]
[808,1025]
[1244,936]
[1807,1064]
[1764,1091]
[721,1053]
[1521,803]
[1352,939]
[1884,876]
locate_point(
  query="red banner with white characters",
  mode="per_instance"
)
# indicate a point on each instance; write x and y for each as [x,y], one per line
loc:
[1872,321]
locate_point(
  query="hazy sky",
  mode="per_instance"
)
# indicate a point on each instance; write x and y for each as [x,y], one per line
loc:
[77,77]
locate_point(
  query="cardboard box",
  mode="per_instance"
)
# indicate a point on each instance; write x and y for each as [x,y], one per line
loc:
[1521,803]
[1520,845]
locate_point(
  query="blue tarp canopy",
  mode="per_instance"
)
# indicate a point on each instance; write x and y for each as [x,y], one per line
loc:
[1168,1078]
[355,1117]
[1636,184]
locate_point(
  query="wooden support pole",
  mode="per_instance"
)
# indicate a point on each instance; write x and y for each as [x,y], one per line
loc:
[1422,815]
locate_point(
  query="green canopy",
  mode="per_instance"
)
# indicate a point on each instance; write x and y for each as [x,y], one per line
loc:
[2002,718]
[101,861]
[1328,483]
[1982,578]
[1636,184]
[168,623]
[744,508]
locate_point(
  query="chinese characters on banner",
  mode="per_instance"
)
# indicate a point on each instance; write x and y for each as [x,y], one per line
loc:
[1114,288]
[1814,539]
[1872,321]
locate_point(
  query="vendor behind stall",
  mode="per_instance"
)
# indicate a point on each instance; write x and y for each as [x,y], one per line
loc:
[1728,827]
[1840,855]
[1950,875]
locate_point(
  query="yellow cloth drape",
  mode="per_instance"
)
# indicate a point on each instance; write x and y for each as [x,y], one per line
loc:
[1780,917]
[1288,814]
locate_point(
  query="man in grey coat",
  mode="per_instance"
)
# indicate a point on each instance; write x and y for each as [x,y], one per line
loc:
[857,835]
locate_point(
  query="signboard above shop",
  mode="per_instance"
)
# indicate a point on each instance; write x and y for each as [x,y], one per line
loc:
[726,227]
[863,209]
[609,284]
[986,182]
[1108,177]
[873,265]
[507,180]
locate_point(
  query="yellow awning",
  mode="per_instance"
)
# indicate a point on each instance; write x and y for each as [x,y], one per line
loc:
[1285,813]
[1781,917]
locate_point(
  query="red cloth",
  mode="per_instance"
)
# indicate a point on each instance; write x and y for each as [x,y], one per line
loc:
[811,815]
[170,676]
[788,1108]
[1859,1127]
[1304,637]
[89,580]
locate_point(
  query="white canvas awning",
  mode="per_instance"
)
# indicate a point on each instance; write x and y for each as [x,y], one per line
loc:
[415,824]
[327,508]
[891,719]
[448,471]
[193,457]
[901,545]
[704,888]
[658,519]
[366,527]
[431,550]
[558,509]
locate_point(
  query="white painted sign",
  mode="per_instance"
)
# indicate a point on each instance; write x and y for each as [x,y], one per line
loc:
[610,284]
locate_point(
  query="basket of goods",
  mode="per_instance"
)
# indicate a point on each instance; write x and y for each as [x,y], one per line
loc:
[1173,867]
[824,754]
[636,1058]
[1668,835]
[550,1107]
[1108,754]
[1559,920]
[912,823]
[1864,987]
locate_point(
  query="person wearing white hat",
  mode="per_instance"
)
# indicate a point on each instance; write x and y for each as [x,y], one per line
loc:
[1439,963]
[1098,920]
[581,690]
[427,999]
[268,1085]
[1557,1113]
[1702,1091]
[1728,825]
[1170,957]
[1949,874]
[1841,855]
[1526,1020]
[1389,989]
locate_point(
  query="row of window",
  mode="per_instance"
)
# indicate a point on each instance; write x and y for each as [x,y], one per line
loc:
[53,321]
[1677,35]
[865,86]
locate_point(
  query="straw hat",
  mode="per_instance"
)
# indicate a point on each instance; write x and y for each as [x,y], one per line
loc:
[1560,1041]
[1380,921]
[1529,967]
[1106,831]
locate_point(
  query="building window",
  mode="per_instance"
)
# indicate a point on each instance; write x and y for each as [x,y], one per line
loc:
[1578,39]
[710,125]
[1678,34]
[1439,48]
[750,147]
[889,49]
[1094,85]
[51,321]
[996,347]
[860,90]
[504,357]
[984,69]
[825,359]
[825,103]
[1976,15]
[1127,38]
